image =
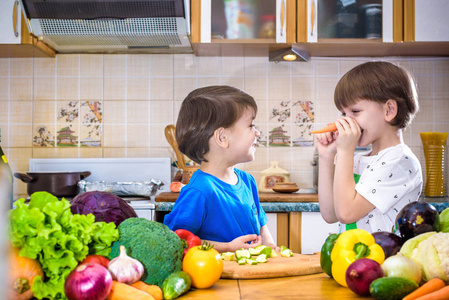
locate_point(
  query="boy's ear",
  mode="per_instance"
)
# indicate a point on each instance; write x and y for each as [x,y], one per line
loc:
[220,137]
[391,110]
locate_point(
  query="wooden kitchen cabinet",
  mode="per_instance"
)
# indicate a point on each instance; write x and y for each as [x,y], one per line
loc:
[349,21]
[298,21]
[426,20]
[238,22]
[15,39]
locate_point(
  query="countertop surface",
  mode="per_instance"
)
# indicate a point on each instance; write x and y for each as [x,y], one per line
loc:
[280,202]
[317,286]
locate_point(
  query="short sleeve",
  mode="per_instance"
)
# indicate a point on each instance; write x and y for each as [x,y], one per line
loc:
[387,179]
[188,211]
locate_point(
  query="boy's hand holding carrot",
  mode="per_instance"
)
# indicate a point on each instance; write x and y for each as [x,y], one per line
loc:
[331,127]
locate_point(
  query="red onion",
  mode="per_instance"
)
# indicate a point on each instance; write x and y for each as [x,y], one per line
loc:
[88,281]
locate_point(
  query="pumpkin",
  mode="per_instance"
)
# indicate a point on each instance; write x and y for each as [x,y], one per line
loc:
[22,271]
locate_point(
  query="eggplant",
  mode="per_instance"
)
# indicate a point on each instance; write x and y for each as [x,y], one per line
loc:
[416,218]
[390,242]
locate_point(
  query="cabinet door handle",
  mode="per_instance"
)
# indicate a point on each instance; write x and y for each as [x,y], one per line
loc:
[282,17]
[312,16]
[15,17]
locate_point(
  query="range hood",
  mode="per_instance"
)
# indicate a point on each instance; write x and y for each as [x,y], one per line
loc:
[111,26]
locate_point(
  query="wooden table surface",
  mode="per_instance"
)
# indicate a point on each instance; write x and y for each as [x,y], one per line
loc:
[263,197]
[317,286]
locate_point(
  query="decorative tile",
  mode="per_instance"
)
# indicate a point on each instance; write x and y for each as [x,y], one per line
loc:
[279,111]
[44,136]
[303,119]
[67,136]
[68,111]
[90,135]
[279,135]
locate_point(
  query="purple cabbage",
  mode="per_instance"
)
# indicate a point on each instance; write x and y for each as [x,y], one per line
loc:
[104,206]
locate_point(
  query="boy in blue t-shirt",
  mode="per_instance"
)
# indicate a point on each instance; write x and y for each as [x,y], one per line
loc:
[220,204]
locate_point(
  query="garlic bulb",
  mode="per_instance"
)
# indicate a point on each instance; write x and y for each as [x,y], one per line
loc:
[124,268]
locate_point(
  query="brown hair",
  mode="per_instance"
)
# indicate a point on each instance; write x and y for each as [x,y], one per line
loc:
[379,81]
[203,111]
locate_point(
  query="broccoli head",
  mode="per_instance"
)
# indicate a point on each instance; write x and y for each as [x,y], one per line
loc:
[157,247]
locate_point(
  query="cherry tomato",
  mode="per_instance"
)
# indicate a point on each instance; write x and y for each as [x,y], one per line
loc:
[204,265]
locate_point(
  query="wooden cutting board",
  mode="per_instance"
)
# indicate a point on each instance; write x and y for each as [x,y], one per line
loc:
[298,264]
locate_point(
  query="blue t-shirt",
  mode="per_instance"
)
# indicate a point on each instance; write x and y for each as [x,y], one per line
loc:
[217,211]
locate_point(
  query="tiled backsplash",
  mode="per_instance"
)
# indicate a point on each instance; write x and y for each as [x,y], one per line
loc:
[118,105]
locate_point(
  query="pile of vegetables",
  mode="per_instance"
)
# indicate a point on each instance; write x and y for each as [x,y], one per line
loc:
[414,265]
[152,243]
[47,231]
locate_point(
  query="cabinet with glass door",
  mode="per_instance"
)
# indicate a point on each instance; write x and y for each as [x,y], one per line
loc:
[327,21]
[296,21]
[243,21]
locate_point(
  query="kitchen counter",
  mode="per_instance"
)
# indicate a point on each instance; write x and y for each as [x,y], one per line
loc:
[317,286]
[279,202]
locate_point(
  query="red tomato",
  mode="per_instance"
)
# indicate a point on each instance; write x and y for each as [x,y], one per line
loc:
[98,259]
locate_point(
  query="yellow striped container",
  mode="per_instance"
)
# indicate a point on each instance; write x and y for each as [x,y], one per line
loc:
[434,146]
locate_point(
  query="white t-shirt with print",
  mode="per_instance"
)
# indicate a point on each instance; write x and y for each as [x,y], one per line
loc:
[389,180]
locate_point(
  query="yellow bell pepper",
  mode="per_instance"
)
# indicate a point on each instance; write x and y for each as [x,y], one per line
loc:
[350,246]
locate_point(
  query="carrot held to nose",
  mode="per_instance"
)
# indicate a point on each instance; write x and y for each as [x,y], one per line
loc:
[329,128]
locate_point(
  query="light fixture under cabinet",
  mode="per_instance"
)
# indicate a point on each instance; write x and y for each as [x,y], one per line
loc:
[288,54]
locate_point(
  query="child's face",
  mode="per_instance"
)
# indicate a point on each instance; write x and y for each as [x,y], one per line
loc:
[243,137]
[370,116]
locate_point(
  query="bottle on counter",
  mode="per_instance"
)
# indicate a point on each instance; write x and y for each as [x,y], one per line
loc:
[6,176]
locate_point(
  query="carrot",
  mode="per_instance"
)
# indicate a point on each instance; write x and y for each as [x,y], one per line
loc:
[123,291]
[441,294]
[153,290]
[430,286]
[329,128]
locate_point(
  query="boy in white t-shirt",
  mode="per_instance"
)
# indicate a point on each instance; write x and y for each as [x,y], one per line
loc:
[367,190]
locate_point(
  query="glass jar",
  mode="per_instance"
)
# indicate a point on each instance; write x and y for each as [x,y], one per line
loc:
[267,27]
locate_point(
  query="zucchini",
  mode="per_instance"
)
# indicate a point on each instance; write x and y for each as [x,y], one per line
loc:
[242,253]
[392,288]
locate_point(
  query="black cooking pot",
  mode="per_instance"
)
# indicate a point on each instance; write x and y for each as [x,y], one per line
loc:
[59,184]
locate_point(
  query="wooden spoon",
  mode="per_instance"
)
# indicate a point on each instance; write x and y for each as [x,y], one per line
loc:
[171,139]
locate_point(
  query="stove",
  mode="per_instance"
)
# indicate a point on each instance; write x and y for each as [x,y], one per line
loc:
[115,170]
